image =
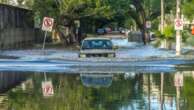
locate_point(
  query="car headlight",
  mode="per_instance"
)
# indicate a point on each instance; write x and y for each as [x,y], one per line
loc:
[111,55]
[82,55]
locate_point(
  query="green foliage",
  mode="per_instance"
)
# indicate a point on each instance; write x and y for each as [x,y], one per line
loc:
[158,34]
[188,92]
[99,9]
[188,8]
[169,32]
[29,3]
[189,39]
[72,9]
[70,94]
[45,8]
[128,23]
[20,2]
[4,1]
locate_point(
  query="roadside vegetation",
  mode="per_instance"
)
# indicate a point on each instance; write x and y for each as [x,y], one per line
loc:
[93,14]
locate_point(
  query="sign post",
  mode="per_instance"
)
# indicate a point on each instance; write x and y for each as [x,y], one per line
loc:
[178,28]
[47,26]
[178,82]
[148,24]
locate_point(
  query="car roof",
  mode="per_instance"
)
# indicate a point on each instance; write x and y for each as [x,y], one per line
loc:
[97,38]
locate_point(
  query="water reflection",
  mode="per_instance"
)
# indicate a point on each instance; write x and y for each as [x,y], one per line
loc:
[9,80]
[96,80]
[103,92]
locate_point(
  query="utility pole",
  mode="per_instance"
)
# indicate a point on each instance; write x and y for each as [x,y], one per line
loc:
[177,98]
[178,32]
[164,43]
[161,91]
[162,17]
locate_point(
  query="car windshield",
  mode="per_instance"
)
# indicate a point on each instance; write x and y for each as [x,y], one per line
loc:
[97,44]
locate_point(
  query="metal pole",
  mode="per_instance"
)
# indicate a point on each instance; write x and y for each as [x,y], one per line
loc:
[164,43]
[45,77]
[43,47]
[178,32]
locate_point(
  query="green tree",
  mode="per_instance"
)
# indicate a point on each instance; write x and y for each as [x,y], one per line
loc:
[66,12]
[188,93]
[188,8]
[141,11]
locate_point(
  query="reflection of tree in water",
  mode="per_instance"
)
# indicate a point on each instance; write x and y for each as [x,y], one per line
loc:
[119,94]
[70,94]
[188,94]
[168,82]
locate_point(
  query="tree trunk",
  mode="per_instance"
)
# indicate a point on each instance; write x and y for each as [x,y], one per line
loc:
[144,35]
[67,33]
[72,35]
[141,19]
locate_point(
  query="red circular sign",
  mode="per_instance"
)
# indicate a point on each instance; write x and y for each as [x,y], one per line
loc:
[179,23]
[48,22]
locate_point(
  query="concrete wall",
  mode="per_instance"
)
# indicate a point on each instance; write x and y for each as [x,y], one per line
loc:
[16,27]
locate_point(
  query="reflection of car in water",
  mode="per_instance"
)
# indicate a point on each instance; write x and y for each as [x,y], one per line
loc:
[96,80]
[97,47]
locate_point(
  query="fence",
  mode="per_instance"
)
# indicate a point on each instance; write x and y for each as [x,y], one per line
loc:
[16,27]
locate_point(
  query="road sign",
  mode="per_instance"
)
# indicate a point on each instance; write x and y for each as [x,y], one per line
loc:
[47,89]
[178,24]
[37,23]
[77,23]
[148,24]
[178,80]
[47,24]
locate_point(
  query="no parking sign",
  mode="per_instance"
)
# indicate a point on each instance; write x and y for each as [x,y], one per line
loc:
[47,89]
[178,24]
[178,80]
[47,24]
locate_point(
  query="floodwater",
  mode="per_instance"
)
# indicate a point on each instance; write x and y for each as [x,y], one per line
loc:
[84,91]
[59,80]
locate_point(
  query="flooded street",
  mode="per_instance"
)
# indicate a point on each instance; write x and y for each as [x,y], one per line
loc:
[96,55]
[124,91]
[135,79]
[130,57]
